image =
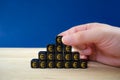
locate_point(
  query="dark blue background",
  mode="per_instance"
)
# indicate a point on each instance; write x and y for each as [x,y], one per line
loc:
[35,23]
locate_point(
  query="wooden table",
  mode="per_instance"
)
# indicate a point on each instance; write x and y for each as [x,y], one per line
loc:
[15,65]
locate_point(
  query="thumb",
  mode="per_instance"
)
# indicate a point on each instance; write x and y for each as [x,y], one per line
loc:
[82,37]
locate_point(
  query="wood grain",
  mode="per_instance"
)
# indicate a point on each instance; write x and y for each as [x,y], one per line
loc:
[15,65]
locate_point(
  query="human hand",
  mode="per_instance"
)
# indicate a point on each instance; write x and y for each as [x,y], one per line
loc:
[101,42]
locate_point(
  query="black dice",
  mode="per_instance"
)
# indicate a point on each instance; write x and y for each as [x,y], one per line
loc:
[42,55]
[75,56]
[50,64]
[50,56]
[59,64]
[67,48]
[42,64]
[51,48]
[59,55]
[67,64]
[59,48]
[83,63]
[35,63]
[67,56]
[59,40]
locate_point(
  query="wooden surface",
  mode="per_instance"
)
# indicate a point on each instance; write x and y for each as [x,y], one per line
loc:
[15,65]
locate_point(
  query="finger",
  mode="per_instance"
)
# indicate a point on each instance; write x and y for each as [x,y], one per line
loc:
[82,37]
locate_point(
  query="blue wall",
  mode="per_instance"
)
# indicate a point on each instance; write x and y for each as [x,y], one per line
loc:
[35,23]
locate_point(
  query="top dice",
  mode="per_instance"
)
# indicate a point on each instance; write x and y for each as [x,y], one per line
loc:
[59,40]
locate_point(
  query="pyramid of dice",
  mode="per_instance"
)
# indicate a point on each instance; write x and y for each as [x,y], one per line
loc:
[58,55]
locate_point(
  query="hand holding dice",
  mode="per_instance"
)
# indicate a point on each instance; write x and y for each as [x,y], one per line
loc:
[58,56]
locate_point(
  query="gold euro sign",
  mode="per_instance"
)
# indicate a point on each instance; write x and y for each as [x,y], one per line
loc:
[67,56]
[50,64]
[58,64]
[76,56]
[50,48]
[59,56]
[67,48]
[66,64]
[42,57]
[42,64]
[50,56]
[83,64]
[59,48]
[59,40]
[34,64]
[74,64]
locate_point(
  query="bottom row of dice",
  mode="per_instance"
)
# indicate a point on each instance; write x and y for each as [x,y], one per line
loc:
[36,63]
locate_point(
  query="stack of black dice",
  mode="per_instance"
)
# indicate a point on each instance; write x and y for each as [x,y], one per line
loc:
[58,56]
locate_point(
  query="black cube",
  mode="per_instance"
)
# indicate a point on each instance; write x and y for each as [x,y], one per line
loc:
[42,64]
[35,63]
[51,48]
[59,64]
[75,56]
[42,55]
[59,40]
[83,63]
[50,56]
[50,64]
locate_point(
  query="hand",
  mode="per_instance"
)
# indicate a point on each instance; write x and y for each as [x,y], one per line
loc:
[101,42]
